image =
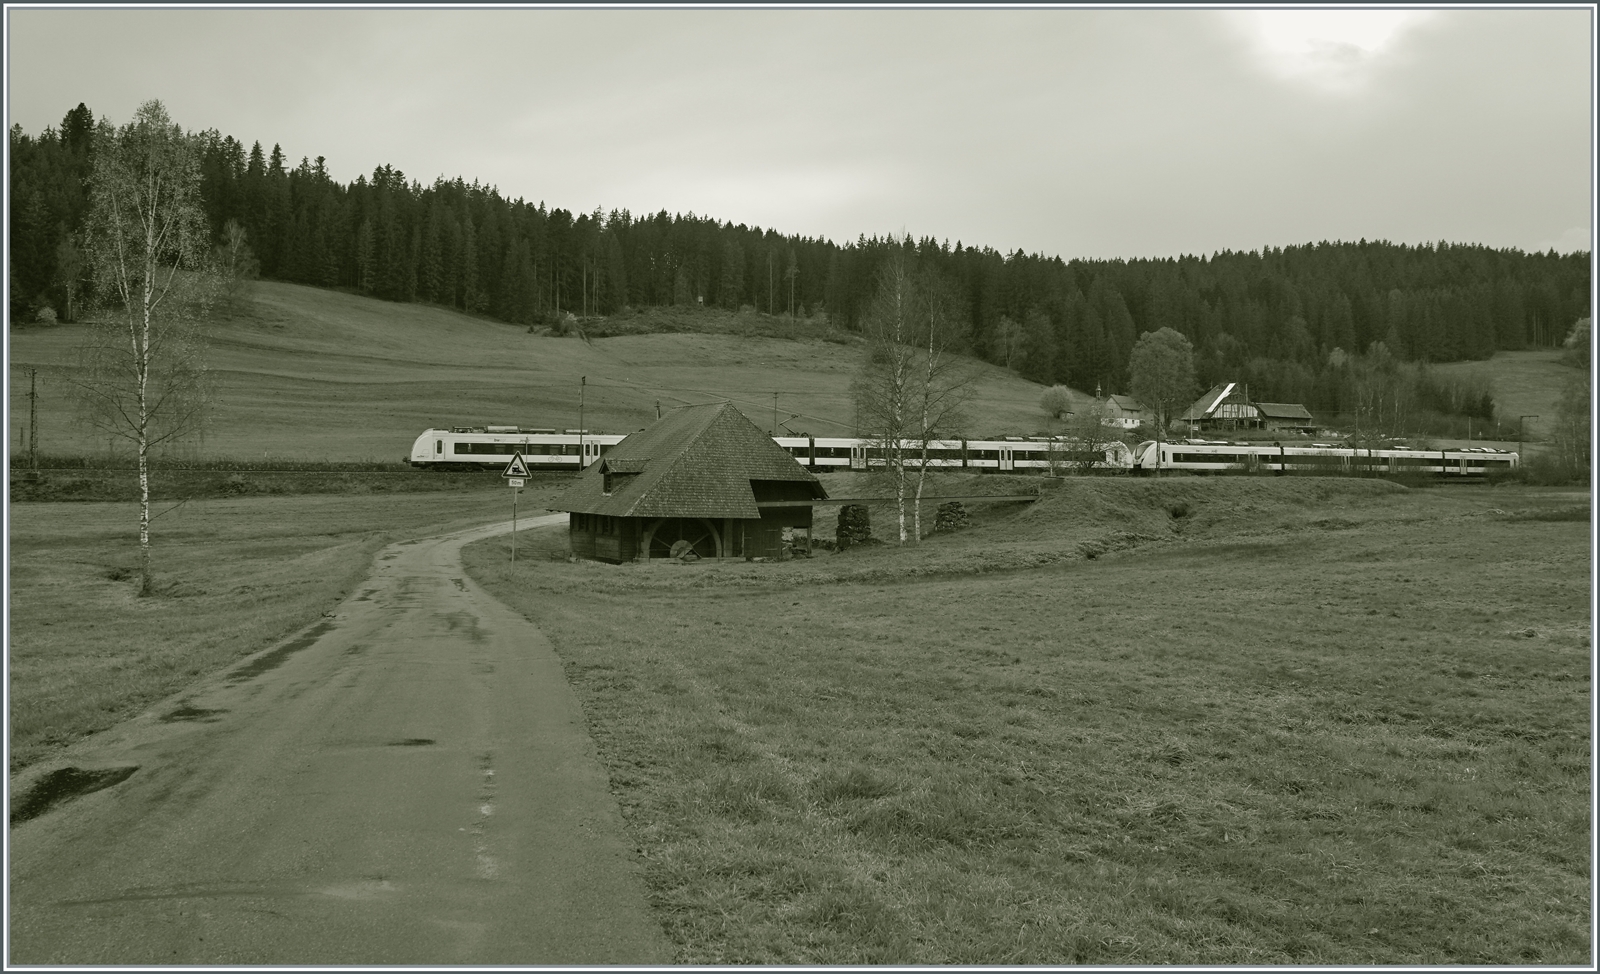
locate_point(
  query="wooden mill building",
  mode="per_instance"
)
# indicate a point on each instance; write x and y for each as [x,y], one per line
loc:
[702,475]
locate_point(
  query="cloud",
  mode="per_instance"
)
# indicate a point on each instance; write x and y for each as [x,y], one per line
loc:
[1327,49]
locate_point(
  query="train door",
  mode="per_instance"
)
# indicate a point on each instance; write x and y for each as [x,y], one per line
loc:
[858,456]
[591,452]
[1007,459]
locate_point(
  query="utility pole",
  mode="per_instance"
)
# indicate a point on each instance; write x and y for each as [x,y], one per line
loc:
[582,382]
[774,414]
[33,419]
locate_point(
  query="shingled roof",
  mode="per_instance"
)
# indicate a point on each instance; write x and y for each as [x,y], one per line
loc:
[697,461]
[1284,410]
[1208,403]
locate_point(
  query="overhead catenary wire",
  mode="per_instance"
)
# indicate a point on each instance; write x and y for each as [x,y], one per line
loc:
[707,398]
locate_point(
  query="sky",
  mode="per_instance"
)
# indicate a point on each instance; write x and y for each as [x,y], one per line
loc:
[1074,132]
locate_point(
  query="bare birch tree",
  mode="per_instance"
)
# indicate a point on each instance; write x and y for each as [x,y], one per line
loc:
[884,389]
[143,377]
[913,386]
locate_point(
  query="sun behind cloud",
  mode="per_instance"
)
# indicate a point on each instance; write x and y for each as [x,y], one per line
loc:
[1327,48]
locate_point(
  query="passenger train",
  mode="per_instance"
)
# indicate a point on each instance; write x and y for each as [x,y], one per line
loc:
[1213,456]
[492,447]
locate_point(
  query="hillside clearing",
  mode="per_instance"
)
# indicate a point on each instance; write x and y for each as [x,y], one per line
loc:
[322,374]
[1525,384]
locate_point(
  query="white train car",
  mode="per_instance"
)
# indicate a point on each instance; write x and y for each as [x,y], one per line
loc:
[1011,455]
[821,453]
[492,447]
[1211,456]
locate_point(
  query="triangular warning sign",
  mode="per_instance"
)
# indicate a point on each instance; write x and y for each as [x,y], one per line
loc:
[516,468]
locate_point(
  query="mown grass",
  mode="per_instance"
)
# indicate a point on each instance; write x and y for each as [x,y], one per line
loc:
[326,375]
[232,577]
[1306,722]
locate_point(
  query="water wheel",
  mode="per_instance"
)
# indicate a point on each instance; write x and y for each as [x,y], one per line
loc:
[676,537]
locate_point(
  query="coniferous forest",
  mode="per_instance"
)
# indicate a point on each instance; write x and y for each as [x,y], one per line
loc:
[1272,317]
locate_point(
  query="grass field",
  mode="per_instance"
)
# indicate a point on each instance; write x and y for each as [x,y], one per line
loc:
[1525,384]
[233,577]
[1219,721]
[318,374]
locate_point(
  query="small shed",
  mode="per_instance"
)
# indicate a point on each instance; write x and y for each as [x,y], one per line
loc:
[1289,416]
[701,475]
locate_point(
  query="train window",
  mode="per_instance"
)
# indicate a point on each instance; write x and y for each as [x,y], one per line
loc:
[463,447]
[438,447]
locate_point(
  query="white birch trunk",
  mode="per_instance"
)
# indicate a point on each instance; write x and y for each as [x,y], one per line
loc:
[141,364]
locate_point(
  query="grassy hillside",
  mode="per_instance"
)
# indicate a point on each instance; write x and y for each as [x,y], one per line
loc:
[321,374]
[1525,384]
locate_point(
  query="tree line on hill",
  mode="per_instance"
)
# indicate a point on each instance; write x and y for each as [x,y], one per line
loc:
[1281,319]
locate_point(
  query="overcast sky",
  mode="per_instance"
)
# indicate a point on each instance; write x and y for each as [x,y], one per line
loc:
[1083,133]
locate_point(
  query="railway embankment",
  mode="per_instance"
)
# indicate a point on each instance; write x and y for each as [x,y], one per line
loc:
[1014,524]
[74,479]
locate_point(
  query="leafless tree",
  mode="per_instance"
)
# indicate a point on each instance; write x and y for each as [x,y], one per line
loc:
[236,264]
[1088,436]
[946,378]
[1009,336]
[913,385]
[1161,367]
[883,390]
[1381,395]
[143,376]
[69,274]
[1569,435]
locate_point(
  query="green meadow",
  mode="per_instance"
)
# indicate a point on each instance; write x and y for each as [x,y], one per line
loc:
[1226,721]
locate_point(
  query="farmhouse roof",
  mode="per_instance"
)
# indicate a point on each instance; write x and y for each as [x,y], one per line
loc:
[1284,410]
[1208,403]
[697,461]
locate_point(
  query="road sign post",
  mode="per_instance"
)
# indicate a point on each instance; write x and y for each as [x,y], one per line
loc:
[516,473]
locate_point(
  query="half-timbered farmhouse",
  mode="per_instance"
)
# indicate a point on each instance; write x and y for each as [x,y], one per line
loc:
[701,479]
[1223,407]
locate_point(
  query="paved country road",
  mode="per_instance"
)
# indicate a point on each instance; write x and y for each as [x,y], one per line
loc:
[409,782]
